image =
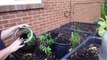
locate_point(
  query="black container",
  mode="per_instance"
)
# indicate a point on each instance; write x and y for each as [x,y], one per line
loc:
[61,49]
[83,27]
[88,41]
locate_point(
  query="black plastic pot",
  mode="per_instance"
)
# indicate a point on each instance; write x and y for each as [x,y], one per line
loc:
[88,41]
[61,49]
[69,27]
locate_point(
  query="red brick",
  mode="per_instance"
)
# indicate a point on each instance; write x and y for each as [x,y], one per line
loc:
[32,13]
[23,22]
[0,18]
[8,16]
[1,27]
[3,22]
[22,15]
[4,14]
[10,25]
[15,20]
[27,18]
[30,23]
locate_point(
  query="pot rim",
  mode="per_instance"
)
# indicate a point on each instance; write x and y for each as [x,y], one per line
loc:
[27,40]
[63,43]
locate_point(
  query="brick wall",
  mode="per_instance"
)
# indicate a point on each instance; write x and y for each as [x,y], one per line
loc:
[86,10]
[52,15]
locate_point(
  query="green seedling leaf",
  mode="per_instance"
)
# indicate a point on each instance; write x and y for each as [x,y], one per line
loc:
[101,31]
[102,23]
[101,19]
[70,49]
[50,42]
[28,35]
[48,51]
[75,39]
[26,31]
[32,41]
[42,37]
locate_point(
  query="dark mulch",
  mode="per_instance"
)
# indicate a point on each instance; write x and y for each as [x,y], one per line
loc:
[89,52]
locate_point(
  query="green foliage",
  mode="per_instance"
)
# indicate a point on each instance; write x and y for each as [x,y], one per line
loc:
[45,43]
[106,7]
[32,41]
[75,38]
[103,11]
[45,49]
[26,31]
[103,26]
[103,20]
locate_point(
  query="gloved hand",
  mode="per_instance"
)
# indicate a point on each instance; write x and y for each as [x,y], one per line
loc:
[16,45]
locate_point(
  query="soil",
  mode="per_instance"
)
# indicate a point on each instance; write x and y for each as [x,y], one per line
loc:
[89,52]
[65,36]
[81,26]
[33,54]
[36,54]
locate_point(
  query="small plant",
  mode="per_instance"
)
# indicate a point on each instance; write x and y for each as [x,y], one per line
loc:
[103,26]
[102,22]
[26,34]
[75,39]
[45,43]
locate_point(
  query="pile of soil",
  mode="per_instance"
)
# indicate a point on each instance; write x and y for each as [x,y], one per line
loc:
[89,52]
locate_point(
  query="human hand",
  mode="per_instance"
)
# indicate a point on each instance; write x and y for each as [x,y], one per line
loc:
[22,25]
[16,45]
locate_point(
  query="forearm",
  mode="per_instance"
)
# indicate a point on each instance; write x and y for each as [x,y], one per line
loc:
[10,49]
[4,53]
[6,33]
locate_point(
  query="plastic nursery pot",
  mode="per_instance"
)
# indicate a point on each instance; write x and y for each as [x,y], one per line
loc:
[62,45]
[88,41]
[83,27]
[28,36]
[61,49]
